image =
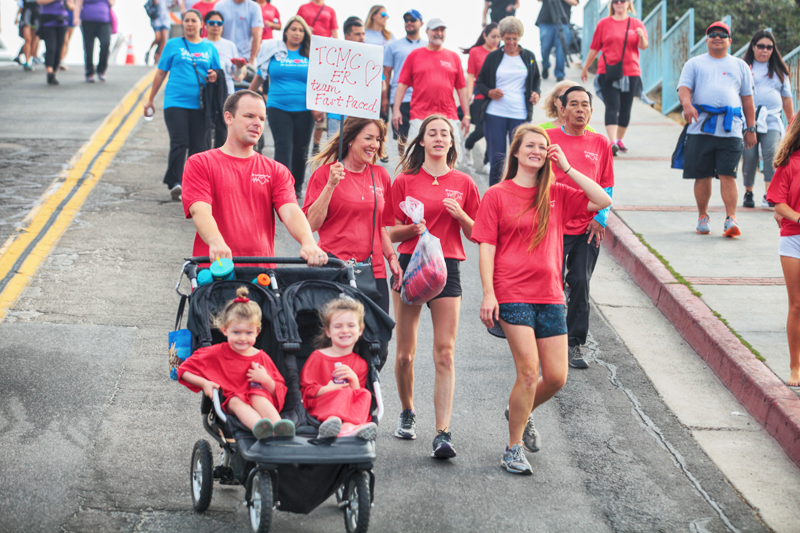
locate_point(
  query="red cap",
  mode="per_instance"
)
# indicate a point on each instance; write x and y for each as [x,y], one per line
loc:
[719,24]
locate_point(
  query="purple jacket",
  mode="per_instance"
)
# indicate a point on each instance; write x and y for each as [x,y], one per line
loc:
[96,11]
[54,14]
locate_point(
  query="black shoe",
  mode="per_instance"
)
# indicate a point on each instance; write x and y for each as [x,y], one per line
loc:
[545,74]
[748,199]
[51,78]
[442,447]
[576,359]
[560,79]
[614,149]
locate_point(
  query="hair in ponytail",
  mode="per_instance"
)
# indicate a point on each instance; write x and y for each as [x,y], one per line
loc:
[241,309]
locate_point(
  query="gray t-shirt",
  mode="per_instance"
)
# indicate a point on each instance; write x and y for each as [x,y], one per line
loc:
[394,55]
[240,19]
[770,93]
[717,83]
[227,51]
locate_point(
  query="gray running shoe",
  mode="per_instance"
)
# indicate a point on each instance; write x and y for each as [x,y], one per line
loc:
[703,225]
[368,431]
[530,437]
[514,461]
[406,426]
[576,359]
[330,428]
[442,446]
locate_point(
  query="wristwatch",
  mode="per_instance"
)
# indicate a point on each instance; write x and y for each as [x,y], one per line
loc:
[751,129]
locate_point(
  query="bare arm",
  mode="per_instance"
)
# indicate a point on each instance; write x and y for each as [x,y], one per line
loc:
[256,32]
[598,197]
[318,211]
[297,224]
[256,84]
[490,310]
[470,85]
[788,108]
[787,212]
[643,42]
[387,74]
[586,64]
[207,228]
[405,232]
[689,111]
[334,34]
[485,12]
[749,108]
[397,117]
[76,12]
[464,99]
[207,386]
[157,81]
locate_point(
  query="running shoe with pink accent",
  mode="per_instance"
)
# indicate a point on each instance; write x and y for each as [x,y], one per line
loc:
[621,146]
[731,228]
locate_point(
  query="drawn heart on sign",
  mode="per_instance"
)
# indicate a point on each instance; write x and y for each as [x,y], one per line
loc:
[373,69]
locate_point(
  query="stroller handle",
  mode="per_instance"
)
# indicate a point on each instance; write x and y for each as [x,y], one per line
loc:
[351,276]
[217,407]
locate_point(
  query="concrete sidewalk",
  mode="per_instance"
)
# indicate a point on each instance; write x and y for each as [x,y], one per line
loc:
[739,280]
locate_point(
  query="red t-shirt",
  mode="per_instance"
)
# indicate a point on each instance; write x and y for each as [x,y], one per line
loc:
[785,189]
[270,14]
[228,369]
[477,55]
[243,194]
[326,22]
[433,75]
[348,225]
[591,155]
[439,221]
[609,36]
[521,276]
[204,8]
[351,405]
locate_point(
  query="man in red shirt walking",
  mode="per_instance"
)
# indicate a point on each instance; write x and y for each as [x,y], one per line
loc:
[232,192]
[590,154]
[433,72]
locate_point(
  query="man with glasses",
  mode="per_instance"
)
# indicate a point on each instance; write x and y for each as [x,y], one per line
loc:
[434,72]
[716,92]
[394,56]
[244,26]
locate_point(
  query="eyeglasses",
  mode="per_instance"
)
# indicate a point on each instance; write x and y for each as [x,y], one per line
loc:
[384,14]
[619,2]
[409,19]
[765,47]
[215,23]
[715,34]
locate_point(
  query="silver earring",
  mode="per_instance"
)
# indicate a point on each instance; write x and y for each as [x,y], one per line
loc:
[350,144]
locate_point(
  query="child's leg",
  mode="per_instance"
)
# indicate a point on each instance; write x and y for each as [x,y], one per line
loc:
[246,414]
[264,407]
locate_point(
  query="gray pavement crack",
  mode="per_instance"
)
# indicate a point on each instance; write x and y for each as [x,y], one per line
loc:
[592,355]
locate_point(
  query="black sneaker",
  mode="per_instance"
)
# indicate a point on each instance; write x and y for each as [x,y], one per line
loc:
[442,447]
[51,78]
[545,74]
[559,80]
[406,426]
[748,199]
[614,149]
[576,359]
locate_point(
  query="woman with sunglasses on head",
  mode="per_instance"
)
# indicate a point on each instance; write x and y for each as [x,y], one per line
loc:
[376,32]
[620,37]
[773,94]
[191,63]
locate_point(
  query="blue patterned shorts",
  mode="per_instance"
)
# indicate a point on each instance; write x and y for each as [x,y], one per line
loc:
[547,320]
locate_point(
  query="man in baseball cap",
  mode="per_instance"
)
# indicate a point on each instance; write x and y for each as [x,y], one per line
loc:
[435,23]
[412,15]
[720,25]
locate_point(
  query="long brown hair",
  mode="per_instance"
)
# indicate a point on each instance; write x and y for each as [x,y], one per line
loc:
[305,46]
[544,179]
[776,63]
[414,154]
[374,10]
[351,129]
[789,145]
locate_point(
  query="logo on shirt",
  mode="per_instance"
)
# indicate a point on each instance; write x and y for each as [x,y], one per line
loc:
[376,190]
[186,54]
[591,157]
[455,195]
[261,179]
[552,203]
[446,64]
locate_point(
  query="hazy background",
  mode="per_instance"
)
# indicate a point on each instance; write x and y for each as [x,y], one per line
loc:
[462,16]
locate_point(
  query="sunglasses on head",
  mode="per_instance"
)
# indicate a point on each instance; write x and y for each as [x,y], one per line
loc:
[720,34]
[764,46]
[215,23]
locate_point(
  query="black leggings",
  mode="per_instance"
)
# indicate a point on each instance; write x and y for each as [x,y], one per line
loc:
[187,131]
[102,32]
[291,132]
[618,103]
[53,37]
[475,110]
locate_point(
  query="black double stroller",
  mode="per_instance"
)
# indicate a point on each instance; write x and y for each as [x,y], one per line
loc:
[288,474]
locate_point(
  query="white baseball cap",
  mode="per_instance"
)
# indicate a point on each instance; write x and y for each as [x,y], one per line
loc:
[435,23]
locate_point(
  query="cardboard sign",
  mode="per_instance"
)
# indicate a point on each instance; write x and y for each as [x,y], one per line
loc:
[345,77]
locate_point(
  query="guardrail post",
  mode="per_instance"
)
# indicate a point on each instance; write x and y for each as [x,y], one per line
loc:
[678,42]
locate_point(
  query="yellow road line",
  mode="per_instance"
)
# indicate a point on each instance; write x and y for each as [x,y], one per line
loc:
[16,246]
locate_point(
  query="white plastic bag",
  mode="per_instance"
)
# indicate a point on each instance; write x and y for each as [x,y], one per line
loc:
[426,274]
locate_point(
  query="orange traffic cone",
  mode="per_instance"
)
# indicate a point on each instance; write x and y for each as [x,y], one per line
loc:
[129,60]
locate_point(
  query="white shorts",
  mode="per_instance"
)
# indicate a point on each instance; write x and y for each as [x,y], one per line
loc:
[415,124]
[790,246]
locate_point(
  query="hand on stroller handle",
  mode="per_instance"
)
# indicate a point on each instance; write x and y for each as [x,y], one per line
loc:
[217,406]
[277,260]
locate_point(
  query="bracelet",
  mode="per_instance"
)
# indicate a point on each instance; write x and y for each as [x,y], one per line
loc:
[468,117]
[567,171]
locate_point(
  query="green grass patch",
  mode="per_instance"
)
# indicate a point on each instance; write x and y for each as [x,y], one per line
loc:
[741,339]
[680,279]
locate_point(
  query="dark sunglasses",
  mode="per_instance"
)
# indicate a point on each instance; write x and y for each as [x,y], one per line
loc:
[215,23]
[720,34]
[409,19]
[619,2]
[765,47]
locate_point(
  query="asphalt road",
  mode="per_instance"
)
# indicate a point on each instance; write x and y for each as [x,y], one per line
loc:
[97,438]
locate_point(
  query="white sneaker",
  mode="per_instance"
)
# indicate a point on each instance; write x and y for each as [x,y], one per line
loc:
[487,168]
[467,157]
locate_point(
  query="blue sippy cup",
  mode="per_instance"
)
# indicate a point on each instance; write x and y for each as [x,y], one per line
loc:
[222,268]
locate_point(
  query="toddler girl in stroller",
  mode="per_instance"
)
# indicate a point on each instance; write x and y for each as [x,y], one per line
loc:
[332,378]
[254,389]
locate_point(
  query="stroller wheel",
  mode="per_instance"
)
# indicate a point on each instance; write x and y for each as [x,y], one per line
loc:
[201,473]
[261,503]
[356,514]
[341,503]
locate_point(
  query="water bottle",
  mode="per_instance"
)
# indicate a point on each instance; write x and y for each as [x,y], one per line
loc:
[204,277]
[262,280]
[222,268]
[338,381]
[148,114]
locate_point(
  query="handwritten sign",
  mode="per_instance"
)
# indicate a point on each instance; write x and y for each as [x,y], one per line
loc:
[345,77]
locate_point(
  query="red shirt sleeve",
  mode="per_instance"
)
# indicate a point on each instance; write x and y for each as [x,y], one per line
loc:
[607,179]
[334,24]
[316,183]
[487,221]
[472,63]
[472,203]
[398,195]
[283,190]
[778,192]
[597,39]
[387,215]
[196,184]
[309,384]
[573,201]
[407,73]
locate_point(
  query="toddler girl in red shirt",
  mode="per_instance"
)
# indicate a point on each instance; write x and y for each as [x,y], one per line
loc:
[253,387]
[332,379]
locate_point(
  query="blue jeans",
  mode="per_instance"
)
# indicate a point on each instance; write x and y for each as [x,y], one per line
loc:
[548,34]
[497,130]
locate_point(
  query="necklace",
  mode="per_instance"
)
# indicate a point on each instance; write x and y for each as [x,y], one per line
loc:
[435,177]
[363,180]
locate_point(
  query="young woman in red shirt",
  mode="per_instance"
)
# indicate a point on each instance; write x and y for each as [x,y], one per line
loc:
[349,202]
[784,192]
[486,43]
[520,230]
[451,202]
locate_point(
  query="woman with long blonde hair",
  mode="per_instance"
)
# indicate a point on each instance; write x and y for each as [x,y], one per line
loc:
[375,26]
[520,231]
[784,192]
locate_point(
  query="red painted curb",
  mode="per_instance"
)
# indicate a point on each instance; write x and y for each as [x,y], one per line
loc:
[762,393]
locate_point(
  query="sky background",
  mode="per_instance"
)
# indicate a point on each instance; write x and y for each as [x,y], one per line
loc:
[462,17]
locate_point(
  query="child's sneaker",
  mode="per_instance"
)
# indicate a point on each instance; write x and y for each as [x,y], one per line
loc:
[731,228]
[283,428]
[368,431]
[263,429]
[514,461]
[330,428]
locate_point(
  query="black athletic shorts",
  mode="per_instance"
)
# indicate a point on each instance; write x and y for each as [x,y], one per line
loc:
[405,112]
[707,156]
[452,289]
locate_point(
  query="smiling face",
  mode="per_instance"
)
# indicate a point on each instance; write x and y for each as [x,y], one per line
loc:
[493,39]
[294,34]
[620,8]
[241,335]
[715,42]
[366,145]
[214,31]
[511,42]
[436,36]
[532,153]
[192,25]
[437,139]
[578,110]
[412,25]
[344,330]
[765,52]
[247,124]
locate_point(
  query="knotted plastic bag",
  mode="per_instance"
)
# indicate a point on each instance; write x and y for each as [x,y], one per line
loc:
[426,274]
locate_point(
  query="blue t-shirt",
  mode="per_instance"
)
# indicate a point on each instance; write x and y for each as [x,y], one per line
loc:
[394,55]
[287,86]
[182,88]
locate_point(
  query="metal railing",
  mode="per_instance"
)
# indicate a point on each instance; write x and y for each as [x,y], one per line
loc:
[651,60]
[678,42]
